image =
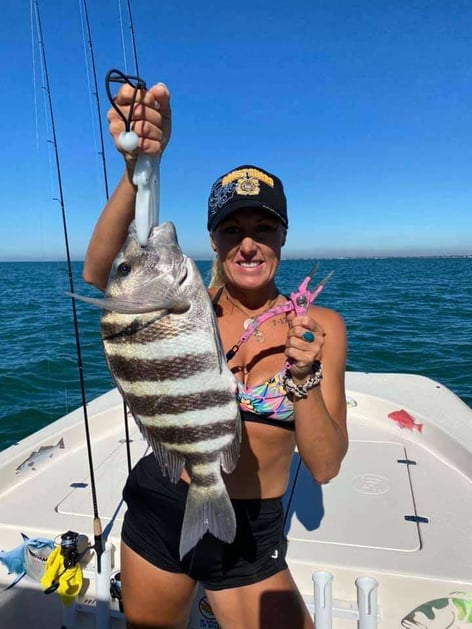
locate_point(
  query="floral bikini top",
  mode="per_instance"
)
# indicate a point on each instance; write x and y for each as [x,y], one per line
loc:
[267,403]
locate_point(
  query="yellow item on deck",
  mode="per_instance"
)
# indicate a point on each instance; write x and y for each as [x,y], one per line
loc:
[69,580]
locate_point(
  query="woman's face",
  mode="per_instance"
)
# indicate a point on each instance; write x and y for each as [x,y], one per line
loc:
[248,244]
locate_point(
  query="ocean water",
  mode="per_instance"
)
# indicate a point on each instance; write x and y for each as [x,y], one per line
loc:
[409,315]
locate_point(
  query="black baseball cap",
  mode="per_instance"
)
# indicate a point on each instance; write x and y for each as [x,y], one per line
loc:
[246,186]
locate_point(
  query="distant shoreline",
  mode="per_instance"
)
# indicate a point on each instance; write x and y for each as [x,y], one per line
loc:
[287,259]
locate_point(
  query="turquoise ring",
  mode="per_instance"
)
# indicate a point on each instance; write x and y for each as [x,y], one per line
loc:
[309,337]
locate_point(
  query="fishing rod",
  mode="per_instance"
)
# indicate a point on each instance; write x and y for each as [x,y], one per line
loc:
[135,58]
[95,93]
[133,39]
[97,526]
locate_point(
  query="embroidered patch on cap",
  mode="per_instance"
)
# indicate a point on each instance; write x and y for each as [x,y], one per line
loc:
[247,173]
[247,186]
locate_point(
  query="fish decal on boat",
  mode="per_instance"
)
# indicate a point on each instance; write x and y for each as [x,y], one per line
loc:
[451,612]
[39,456]
[405,420]
[163,349]
[29,558]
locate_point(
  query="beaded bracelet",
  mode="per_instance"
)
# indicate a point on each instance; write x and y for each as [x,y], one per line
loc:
[300,391]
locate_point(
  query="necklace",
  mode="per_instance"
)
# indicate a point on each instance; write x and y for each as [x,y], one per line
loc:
[258,335]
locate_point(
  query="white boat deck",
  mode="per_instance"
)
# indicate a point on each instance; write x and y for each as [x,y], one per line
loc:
[361,523]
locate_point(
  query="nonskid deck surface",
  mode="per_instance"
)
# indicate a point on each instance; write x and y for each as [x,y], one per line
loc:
[362,522]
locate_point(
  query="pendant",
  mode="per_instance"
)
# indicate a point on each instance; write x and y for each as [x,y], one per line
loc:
[247,323]
[257,333]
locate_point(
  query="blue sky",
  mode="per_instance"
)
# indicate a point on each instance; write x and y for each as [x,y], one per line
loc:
[362,107]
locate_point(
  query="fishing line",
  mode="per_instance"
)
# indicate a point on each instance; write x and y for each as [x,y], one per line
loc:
[47,310]
[98,546]
[34,64]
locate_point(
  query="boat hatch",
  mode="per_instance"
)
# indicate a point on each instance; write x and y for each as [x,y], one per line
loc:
[110,477]
[364,506]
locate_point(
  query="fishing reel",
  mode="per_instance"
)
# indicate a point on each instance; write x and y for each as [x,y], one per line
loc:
[115,588]
[69,551]
[69,548]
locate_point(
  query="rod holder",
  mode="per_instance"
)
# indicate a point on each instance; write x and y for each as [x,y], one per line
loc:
[367,602]
[323,599]
[102,584]
[69,616]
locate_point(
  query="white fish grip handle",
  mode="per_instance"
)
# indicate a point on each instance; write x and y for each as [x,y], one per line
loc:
[146,174]
[146,178]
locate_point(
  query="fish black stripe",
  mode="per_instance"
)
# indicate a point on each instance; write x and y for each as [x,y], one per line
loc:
[205,480]
[117,331]
[134,369]
[141,330]
[201,458]
[156,405]
[192,434]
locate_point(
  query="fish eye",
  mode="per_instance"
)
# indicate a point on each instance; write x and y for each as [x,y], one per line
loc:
[123,269]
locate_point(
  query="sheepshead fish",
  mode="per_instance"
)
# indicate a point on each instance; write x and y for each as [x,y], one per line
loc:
[164,352]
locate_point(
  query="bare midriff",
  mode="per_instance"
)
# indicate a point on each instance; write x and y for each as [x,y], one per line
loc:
[266,451]
[263,465]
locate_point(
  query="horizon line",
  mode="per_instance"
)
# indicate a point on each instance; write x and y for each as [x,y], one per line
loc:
[293,258]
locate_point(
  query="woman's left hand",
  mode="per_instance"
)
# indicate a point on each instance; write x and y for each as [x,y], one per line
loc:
[305,340]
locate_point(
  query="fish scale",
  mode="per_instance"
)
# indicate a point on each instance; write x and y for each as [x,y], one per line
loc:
[163,349]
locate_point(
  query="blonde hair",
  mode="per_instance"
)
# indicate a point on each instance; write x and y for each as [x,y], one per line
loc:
[217,277]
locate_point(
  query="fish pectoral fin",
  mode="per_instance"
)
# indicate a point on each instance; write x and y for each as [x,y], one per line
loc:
[150,297]
[213,513]
[123,305]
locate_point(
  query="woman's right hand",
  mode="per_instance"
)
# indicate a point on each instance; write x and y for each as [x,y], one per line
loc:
[151,119]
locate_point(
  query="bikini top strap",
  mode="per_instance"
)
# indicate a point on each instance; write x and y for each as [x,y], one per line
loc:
[217,296]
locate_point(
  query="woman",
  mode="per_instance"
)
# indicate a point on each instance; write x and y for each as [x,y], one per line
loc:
[247,583]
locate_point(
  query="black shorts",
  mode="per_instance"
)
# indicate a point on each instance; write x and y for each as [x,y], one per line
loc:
[153,523]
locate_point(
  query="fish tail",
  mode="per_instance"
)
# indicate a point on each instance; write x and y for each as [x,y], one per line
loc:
[419,427]
[202,514]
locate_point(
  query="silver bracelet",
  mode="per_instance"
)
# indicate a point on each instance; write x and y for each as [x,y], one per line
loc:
[300,391]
